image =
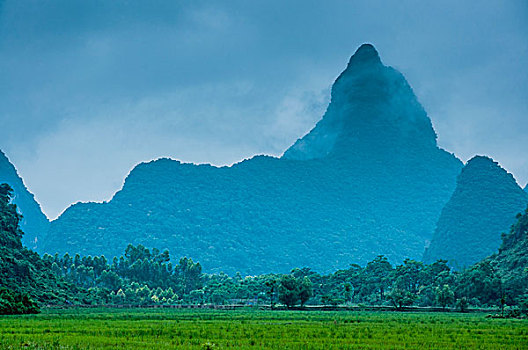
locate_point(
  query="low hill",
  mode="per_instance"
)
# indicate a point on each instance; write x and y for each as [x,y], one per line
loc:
[369,179]
[485,204]
[34,223]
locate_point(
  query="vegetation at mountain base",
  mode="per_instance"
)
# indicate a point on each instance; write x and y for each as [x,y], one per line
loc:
[33,221]
[13,303]
[254,329]
[24,276]
[511,262]
[484,204]
[369,179]
[145,276]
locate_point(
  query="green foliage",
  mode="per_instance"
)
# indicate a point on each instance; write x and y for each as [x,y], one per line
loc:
[401,298]
[12,303]
[481,282]
[21,270]
[377,275]
[462,304]
[507,270]
[145,276]
[142,276]
[294,290]
[444,295]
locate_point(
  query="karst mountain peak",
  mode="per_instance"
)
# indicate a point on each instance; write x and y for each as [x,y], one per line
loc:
[368,179]
[373,111]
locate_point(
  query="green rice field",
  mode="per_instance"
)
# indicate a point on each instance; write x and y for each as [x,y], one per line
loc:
[257,329]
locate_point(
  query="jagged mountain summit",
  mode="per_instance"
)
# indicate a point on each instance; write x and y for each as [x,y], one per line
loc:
[34,223]
[373,111]
[484,205]
[369,179]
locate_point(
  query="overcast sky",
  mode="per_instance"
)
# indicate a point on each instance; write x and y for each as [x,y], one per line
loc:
[90,88]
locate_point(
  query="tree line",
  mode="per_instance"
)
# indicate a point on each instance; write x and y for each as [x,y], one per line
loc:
[143,276]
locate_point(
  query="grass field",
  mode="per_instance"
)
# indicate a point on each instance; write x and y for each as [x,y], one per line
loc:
[244,329]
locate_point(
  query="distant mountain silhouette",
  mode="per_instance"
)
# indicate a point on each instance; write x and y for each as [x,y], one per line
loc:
[34,223]
[369,179]
[484,205]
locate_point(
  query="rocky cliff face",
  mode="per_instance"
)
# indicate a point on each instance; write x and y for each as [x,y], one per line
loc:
[484,205]
[369,179]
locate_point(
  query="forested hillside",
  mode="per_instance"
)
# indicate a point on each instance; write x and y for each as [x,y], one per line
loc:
[511,261]
[484,205]
[22,271]
[34,223]
[369,179]
[148,277]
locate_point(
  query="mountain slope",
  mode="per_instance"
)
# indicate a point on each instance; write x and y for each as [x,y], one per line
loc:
[34,223]
[484,204]
[511,261]
[22,270]
[369,179]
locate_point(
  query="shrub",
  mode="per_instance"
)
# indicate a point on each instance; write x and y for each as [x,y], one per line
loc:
[12,303]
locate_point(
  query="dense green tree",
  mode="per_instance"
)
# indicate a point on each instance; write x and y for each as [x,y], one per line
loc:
[189,274]
[288,290]
[294,290]
[110,280]
[272,285]
[409,275]
[400,298]
[305,290]
[480,282]
[22,271]
[378,274]
[12,303]
[444,295]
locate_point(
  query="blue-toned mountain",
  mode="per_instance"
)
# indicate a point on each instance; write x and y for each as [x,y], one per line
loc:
[34,223]
[484,205]
[369,179]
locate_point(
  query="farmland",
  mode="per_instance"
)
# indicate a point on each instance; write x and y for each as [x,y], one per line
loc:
[108,328]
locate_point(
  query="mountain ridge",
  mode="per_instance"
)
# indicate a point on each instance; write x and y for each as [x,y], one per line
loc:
[371,187]
[485,203]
